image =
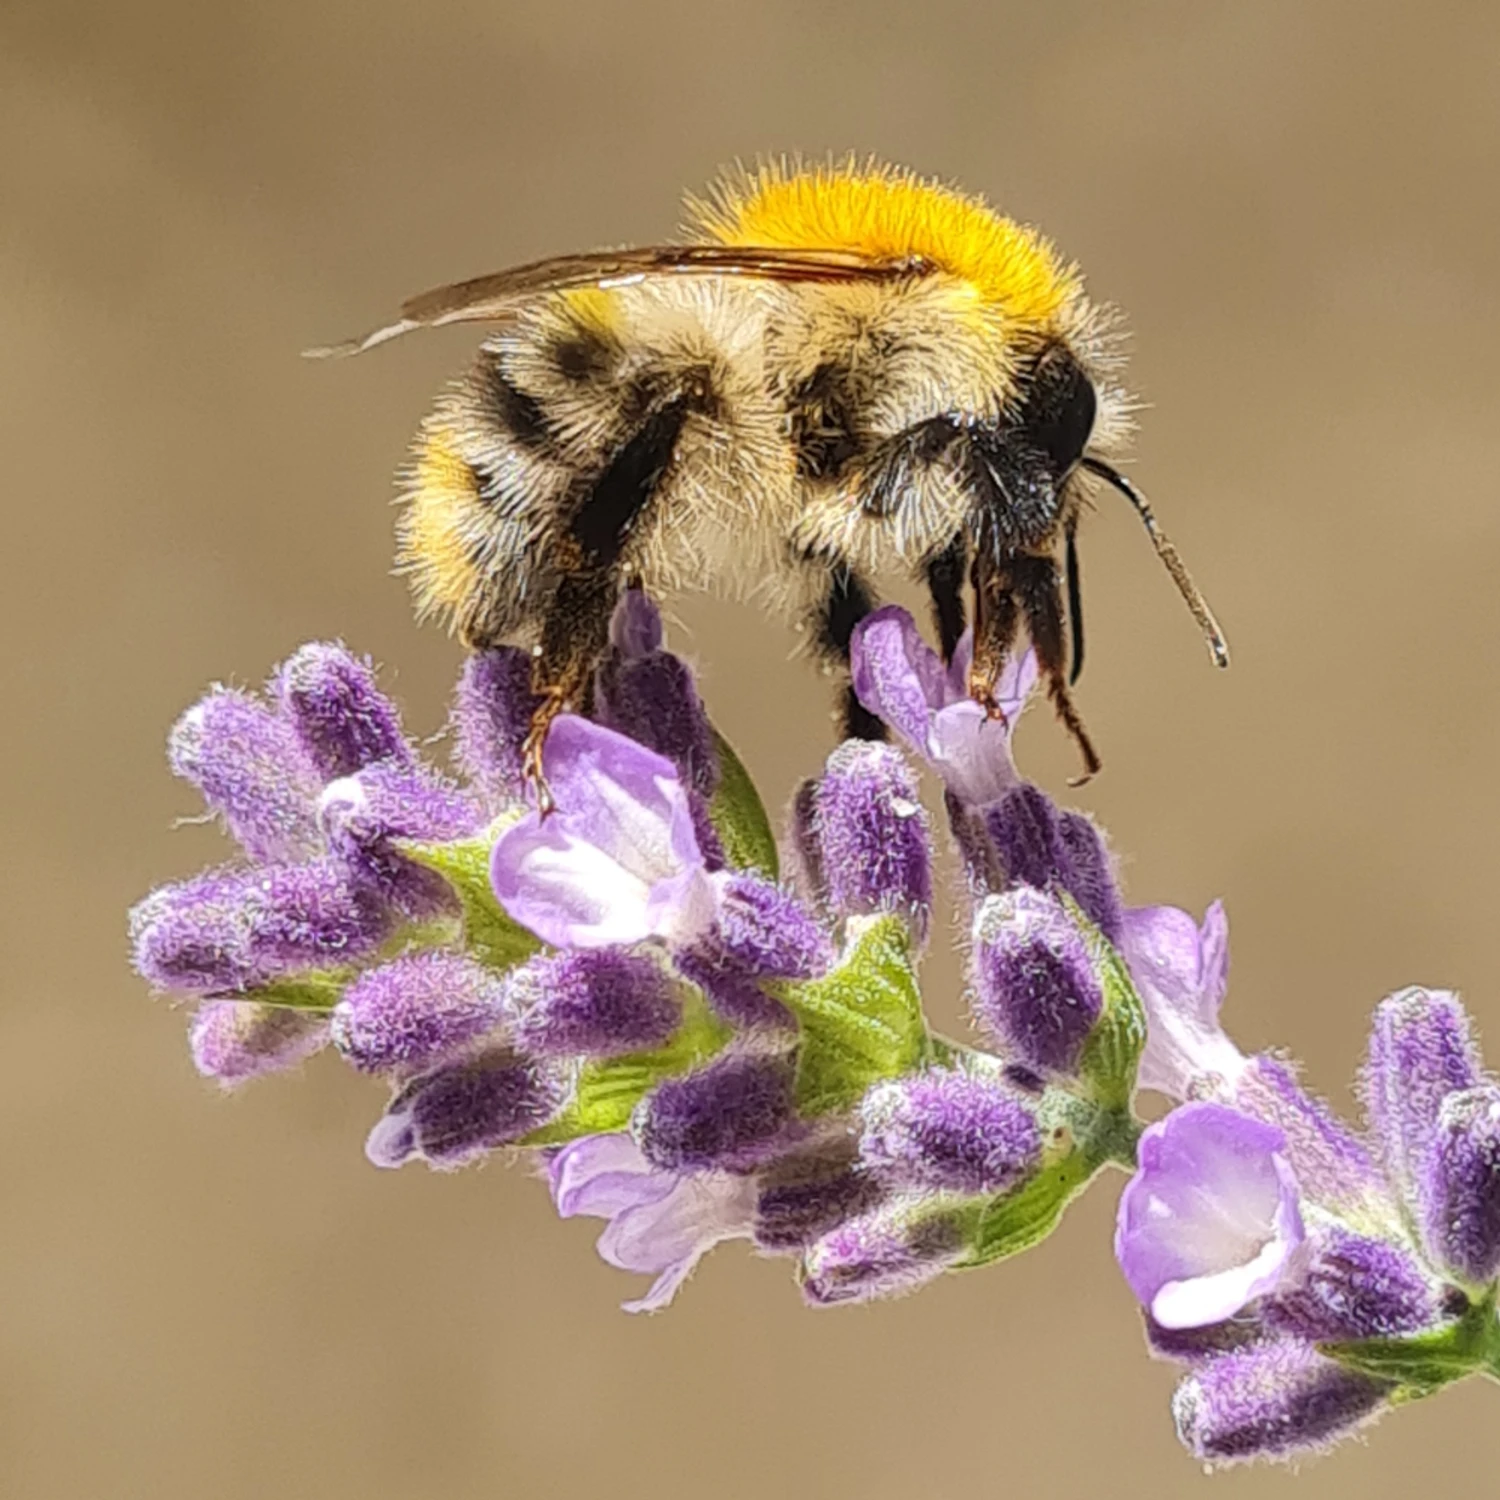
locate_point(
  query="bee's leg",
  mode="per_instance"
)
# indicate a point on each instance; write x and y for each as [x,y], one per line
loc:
[944,572]
[575,625]
[996,618]
[842,601]
[1038,589]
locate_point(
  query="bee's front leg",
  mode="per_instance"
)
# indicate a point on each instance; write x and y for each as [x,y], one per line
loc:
[996,618]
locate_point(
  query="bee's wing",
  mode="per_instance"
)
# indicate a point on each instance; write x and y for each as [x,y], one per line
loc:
[488,299]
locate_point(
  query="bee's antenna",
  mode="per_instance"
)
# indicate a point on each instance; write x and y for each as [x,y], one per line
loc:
[1218,647]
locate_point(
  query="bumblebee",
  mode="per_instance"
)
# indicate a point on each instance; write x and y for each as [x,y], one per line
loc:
[841,371]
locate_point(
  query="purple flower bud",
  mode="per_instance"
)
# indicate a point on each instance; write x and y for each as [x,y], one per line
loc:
[724,1114]
[735,993]
[362,814]
[1211,1219]
[892,1250]
[805,1195]
[1039,846]
[648,694]
[1275,1399]
[1459,1189]
[944,1129]
[342,719]
[231,930]
[409,1014]
[492,711]
[234,1041]
[767,931]
[876,846]
[1421,1050]
[1331,1162]
[1355,1288]
[1190,1345]
[465,1109]
[593,1002]
[1034,985]
[249,766]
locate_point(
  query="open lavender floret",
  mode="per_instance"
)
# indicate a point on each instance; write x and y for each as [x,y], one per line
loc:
[695,1048]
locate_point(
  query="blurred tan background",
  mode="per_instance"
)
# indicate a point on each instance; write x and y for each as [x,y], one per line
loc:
[1296,204]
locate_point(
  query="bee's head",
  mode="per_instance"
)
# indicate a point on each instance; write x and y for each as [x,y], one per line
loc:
[1057,412]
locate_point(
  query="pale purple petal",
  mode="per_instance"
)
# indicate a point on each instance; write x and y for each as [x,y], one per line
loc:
[617,861]
[896,674]
[1181,972]
[1211,1219]
[603,1175]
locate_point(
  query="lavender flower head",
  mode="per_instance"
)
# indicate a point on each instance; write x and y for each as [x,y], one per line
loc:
[626,993]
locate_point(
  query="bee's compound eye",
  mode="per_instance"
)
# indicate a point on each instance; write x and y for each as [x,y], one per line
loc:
[1060,407]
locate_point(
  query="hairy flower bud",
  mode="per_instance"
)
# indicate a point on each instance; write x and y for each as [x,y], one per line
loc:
[342,719]
[1277,1399]
[462,1110]
[1459,1188]
[233,1041]
[1034,984]
[1355,1287]
[409,1014]
[1421,1050]
[723,1114]
[892,1250]
[876,848]
[944,1129]
[232,930]
[593,1002]
[803,1196]
[249,765]
[491,717]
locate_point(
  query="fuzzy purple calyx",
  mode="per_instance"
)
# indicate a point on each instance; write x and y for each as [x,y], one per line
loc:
[803,1195]
[413,1012]
[493,706]
[1355,1287]
[1035,987]
[948,1130]
[727,1113]
[875,843]
[463,1110]
[1459,1186]
[228,930]
[1421,1050]
[249,765]
[890,1251]
[342,719]
[1275,1399]
[233,1041]
[593,1002]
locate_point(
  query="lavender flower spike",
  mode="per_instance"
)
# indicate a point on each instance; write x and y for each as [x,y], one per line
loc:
[661,1224]
[1035,986]
[1181,971]
[618,861]
[944,1129]
[1278,1399]
[899,677]
[1212,1217]
[491,716]
[875,845]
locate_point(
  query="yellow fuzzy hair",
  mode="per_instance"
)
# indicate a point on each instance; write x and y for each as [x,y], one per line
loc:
[442,498]
[889,213]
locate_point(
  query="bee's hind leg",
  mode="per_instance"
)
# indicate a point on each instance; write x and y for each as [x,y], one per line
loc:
[842,600]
